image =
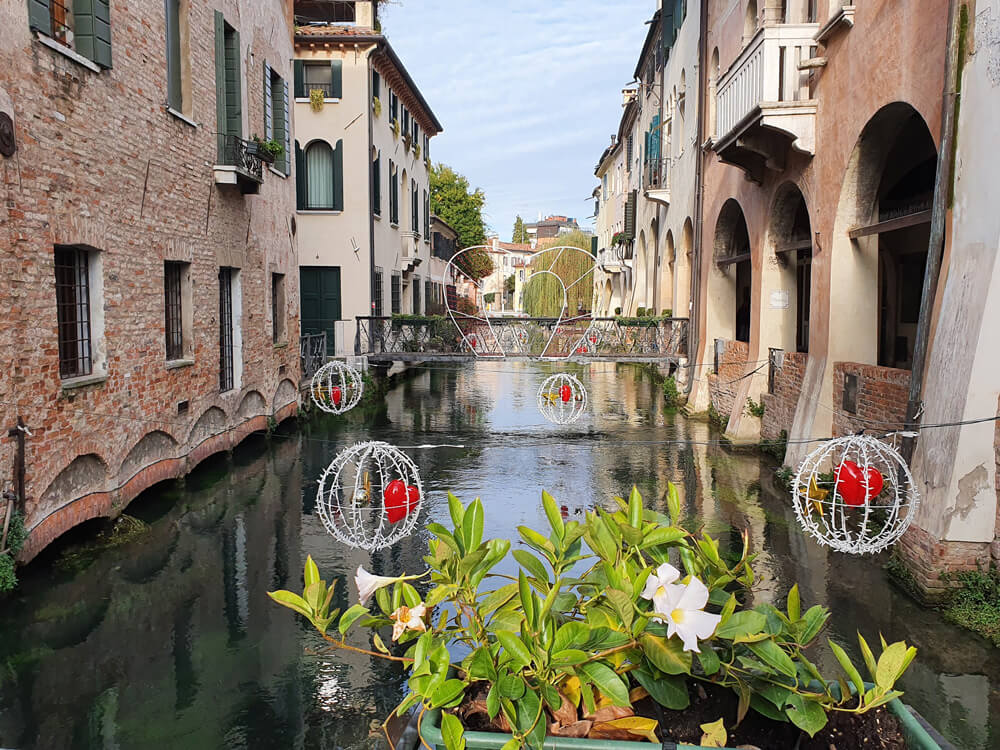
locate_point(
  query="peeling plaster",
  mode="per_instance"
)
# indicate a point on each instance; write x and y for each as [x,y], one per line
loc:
[969,488]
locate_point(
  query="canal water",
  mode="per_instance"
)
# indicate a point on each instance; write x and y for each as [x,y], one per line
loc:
[164,637]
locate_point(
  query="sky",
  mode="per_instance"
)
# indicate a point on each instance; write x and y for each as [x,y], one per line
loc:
[528,93]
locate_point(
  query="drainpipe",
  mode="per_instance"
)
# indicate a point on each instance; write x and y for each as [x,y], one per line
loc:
[695,267]
[935,245]
[371,212]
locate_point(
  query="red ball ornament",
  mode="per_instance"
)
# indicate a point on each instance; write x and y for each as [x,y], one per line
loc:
[565,393]
[336,395]
[850,481]
[396,500]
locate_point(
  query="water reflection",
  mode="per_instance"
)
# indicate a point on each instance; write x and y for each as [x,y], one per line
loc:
[170,641]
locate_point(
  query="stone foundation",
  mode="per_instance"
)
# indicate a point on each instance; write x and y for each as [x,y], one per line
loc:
[881,398]
[926,558]
[724,384]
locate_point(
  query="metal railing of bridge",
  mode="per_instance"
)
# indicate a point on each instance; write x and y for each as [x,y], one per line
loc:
[621,339]
[312,353]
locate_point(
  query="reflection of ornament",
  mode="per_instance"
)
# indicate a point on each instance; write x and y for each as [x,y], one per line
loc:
[863,490]
[336,387]
[369,496]
[562,398]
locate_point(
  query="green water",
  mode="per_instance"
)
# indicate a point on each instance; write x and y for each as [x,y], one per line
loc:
[168,640]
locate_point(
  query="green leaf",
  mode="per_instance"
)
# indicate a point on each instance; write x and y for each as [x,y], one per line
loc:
[410,595]
[741,623]
[714,734]
[512,744]
[439,593]
[535,540]
[891,665]
[814,618]
[635,508]
[866,652]
[793,605]
[472,525]
[765,708]
[606,681]
[311,574]
[493,701]
[673,503]
[771,653]
[553,514]
[446,693]
[445,536]
[382,599]
[377,640]
[631,535]
[569,635]
[622,603]
[514,647]
[452,732]
[496,599]
[570,656]
[292,601]
[408,702]
[527,598]
[511,686]
[807,715]
[533,565]
[849,669]
[350,616]
[314,594]
[456,510]
[670,692]
[709,659]
[662,535]
[480,665]
[666,654]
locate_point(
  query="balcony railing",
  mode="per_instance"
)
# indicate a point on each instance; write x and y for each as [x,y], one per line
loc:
[312,353]
[766,72]
[408,244]
[326,88]
[247,168]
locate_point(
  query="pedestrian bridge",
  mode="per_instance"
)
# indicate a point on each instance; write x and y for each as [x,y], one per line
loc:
[463,338]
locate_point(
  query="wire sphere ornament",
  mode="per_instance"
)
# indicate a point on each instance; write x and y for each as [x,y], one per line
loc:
[855,495]
[562,398]
[369,496]
[336,387]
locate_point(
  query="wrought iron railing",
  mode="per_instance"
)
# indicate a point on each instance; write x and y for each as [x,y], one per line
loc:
[326,88]
[584,337]
[656,174]
[236,152]
[312,353]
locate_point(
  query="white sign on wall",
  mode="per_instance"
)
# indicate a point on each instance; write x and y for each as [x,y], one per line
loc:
[779,299]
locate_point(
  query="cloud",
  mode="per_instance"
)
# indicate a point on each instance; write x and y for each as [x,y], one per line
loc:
[528,93]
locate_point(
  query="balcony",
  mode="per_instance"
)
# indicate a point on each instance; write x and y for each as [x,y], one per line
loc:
[239,164]
[612,260]
[656,180]
[409,250]
[763,105]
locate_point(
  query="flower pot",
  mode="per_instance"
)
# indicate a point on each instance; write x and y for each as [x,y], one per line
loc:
[258,150]
[917,737]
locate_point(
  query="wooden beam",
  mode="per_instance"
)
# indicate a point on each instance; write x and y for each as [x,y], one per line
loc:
[724,262]
[900,222]
[793,246]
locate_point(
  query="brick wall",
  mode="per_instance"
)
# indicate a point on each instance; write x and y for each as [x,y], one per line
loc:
[779,407]
[927,558]
[723,385]
[101,163]
[882,396]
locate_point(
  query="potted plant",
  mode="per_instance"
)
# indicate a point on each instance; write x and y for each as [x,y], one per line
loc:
[377,106]
[427,161]
[407,142]
[416,151]
[395,126]
[600,636]
[267,151]
[316,98]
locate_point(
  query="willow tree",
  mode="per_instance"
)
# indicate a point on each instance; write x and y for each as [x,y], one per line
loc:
[543,293]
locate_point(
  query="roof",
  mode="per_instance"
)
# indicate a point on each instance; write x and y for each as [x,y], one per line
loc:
[384,58]
[654,25]
[435,219]
[516,246]
[554,221]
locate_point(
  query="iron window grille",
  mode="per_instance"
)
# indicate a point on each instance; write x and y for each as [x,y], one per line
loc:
[72,270]
[377,301]
[318,77]
[416,296]
[226,380]
[394,292]
[173,311]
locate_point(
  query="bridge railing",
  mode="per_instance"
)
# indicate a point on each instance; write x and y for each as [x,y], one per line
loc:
[312,353]
[581,338]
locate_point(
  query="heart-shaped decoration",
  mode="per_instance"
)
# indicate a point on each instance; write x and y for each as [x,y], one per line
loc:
[850,483]
[412,498]
[875,482]
[565,393]
[396,500]
[336,395]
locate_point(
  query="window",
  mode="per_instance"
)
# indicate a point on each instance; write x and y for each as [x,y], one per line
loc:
[427,217]
[393,107]
[81,25]
[278,307]
[377,185]
[416,132]
[628,152]
[276,122]
[177,309]
[393,193]
[376,84]
[325,76]
[377,309]
[416,295]
[319,178]
[428,294]
[178,58]
[427,147]
[406,121]
[72,266]
[229,337]
[414,207]
[228,89]
[394,292]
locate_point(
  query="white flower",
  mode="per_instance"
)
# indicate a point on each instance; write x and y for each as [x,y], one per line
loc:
[660,582]
[368,583]
[408,618]
[681,608]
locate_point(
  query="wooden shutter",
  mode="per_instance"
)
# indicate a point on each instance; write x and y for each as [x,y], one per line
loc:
[377,185]
[427,216]
[300,178]
[630,215]
[376,84]
[92,30]
[338,177]
[220,84]
[234,87]
[414,207]
[336,79]
[268,105]
[299,78]
[38,16]
[287,140]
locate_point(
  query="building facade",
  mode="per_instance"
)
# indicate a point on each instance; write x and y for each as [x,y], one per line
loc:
[149,287]
[362,144]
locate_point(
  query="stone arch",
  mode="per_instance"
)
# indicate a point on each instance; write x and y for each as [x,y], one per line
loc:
[150,448]
[681,100]
[639,276]
[84,475]
[713,84]
[668,293]
[789,239]
[731,278]
[253,404]
[286,393]
[211,422]
[750,22]
[682,272]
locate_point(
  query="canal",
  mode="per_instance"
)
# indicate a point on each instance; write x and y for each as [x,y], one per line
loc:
[163,636]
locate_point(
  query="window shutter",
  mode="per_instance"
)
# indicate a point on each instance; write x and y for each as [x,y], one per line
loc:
[336,79]
[268,105]
[287,140]
[376,84]
[300,78]
[300,178]
[220,84]
[92,30]
[234,88]
[338,177]
[377,185]
[38,16]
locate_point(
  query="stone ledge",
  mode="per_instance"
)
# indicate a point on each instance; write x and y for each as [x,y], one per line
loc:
[70,384]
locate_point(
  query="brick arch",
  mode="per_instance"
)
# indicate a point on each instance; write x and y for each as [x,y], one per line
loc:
[211,422]
[152,459]
[155,443]
[253,404]
[286,393]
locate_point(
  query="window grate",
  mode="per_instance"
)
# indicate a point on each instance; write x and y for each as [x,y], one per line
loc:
[377,301]
[416,296]
[173,321]
[73,311]
[225,329]
[394,291]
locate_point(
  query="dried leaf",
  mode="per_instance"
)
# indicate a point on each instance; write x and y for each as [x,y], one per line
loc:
[566,714]
[576,729]
[639,726]
[610,713]
[606,731]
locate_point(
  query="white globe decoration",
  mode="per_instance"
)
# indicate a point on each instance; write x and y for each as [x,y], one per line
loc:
[336,387]
[562,399]
[369,496]
[855,495]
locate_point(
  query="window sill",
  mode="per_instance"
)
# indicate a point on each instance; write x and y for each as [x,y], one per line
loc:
[277,172]
[69,52]
[180,116]
[307,100]
[281,345]
[377,216]
[394,225]
[318,211]
[82,381]
[176,364]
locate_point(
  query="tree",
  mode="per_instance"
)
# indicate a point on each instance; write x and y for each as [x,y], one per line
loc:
[520,234]
[454,201]
[543,295]
[509,284]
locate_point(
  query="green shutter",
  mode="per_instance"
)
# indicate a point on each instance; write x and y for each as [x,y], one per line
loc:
[377,185]
[220,84]
[234,88]
[300,178]
[286,121]
[38,16]
[338,177]
[299,79]
[336,79]
[376,84]
[175,98]
[92,30]
[268,105]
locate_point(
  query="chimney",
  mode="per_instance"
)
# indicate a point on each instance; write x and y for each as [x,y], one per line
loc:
[364,14]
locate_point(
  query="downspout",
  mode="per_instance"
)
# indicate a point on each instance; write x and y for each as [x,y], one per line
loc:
[950,97]
[695,295]
[371,212]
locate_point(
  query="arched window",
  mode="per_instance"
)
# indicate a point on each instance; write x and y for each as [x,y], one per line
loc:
[750,22]
[320,177]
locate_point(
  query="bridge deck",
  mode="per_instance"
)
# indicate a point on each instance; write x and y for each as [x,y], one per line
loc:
[439,357]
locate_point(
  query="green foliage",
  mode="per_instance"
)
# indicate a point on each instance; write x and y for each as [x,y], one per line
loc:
[776,447]
[316,99]
[509,284]
[462,207]
[543,294]
[715,418]
[489,297]
[754,409]
[784,476]
[575,626]
[8,578]
[520,234]
[671,396]
[975,604]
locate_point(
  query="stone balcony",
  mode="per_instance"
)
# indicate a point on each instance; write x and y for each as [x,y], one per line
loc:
[612,260]
[762,101]
[656,180]
[409,251]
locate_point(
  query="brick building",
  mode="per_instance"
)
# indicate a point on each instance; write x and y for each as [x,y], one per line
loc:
[149,285]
